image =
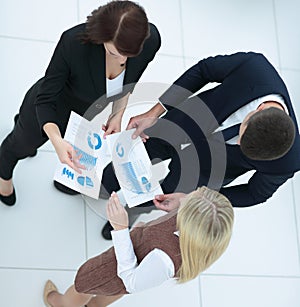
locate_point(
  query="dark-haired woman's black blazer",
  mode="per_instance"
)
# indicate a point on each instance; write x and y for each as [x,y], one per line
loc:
[75,80]
[75,77]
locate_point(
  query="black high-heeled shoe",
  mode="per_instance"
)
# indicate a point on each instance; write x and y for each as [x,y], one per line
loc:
[9,200]
[106,231]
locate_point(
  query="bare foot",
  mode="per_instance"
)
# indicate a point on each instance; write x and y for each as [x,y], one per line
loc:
[6,187]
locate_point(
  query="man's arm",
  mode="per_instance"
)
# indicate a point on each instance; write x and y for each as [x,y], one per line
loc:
[259,188]
[212,69]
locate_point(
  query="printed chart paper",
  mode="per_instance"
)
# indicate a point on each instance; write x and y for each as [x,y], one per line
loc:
[87,140]
[139,180]
[133,168]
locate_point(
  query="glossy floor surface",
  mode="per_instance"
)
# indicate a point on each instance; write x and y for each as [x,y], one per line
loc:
[48,234]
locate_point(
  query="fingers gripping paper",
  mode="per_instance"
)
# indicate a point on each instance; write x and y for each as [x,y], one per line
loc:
[133,168]
[91,149]
[139,180]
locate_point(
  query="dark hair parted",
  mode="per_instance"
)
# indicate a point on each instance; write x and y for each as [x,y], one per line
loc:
[269,135]
[124,23]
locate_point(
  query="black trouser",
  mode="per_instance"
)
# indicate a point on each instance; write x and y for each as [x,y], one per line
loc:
[25,137]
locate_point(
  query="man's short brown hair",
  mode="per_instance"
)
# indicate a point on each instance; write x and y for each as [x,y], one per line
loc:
[269,135]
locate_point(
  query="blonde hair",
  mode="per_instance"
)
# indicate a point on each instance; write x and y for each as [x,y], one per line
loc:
[204,220]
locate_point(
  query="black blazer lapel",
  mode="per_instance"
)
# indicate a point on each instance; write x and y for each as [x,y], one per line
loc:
[132,74]
[97,68]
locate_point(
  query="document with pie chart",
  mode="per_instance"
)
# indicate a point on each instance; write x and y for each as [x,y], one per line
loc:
[89,145]
[136,175]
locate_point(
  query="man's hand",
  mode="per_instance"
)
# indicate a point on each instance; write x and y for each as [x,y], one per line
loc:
[168,202]
[116,213]
[144,121]
[141,122]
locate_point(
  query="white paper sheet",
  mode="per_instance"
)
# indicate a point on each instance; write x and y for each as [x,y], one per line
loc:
[133,168]
[132,165]
[87,140]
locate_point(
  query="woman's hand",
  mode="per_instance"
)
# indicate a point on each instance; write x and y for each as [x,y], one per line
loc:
[64,150]
[113,125]
[116,213]
[67,154]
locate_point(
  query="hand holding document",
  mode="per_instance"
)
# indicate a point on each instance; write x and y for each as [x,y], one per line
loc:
[130,159]
[133,168]
[89,145]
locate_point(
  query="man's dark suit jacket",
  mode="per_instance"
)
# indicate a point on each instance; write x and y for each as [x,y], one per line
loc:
[243,77]
[75,78]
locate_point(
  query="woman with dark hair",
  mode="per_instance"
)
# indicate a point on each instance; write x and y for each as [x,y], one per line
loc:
[179,245]
[94,63]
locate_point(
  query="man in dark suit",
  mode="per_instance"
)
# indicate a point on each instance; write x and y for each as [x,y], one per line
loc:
[245,123]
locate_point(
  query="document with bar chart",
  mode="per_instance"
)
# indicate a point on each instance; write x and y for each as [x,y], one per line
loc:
[92,151]
[133,168]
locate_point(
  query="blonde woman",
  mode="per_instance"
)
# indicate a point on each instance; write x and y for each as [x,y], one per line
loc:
[180,244]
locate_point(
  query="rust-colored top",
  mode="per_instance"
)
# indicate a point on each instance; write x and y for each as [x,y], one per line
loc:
[99,274]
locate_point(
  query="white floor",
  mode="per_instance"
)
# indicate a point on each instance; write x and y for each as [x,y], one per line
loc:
[48,234]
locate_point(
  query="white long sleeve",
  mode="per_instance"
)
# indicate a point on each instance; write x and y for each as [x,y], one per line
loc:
[156,268]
